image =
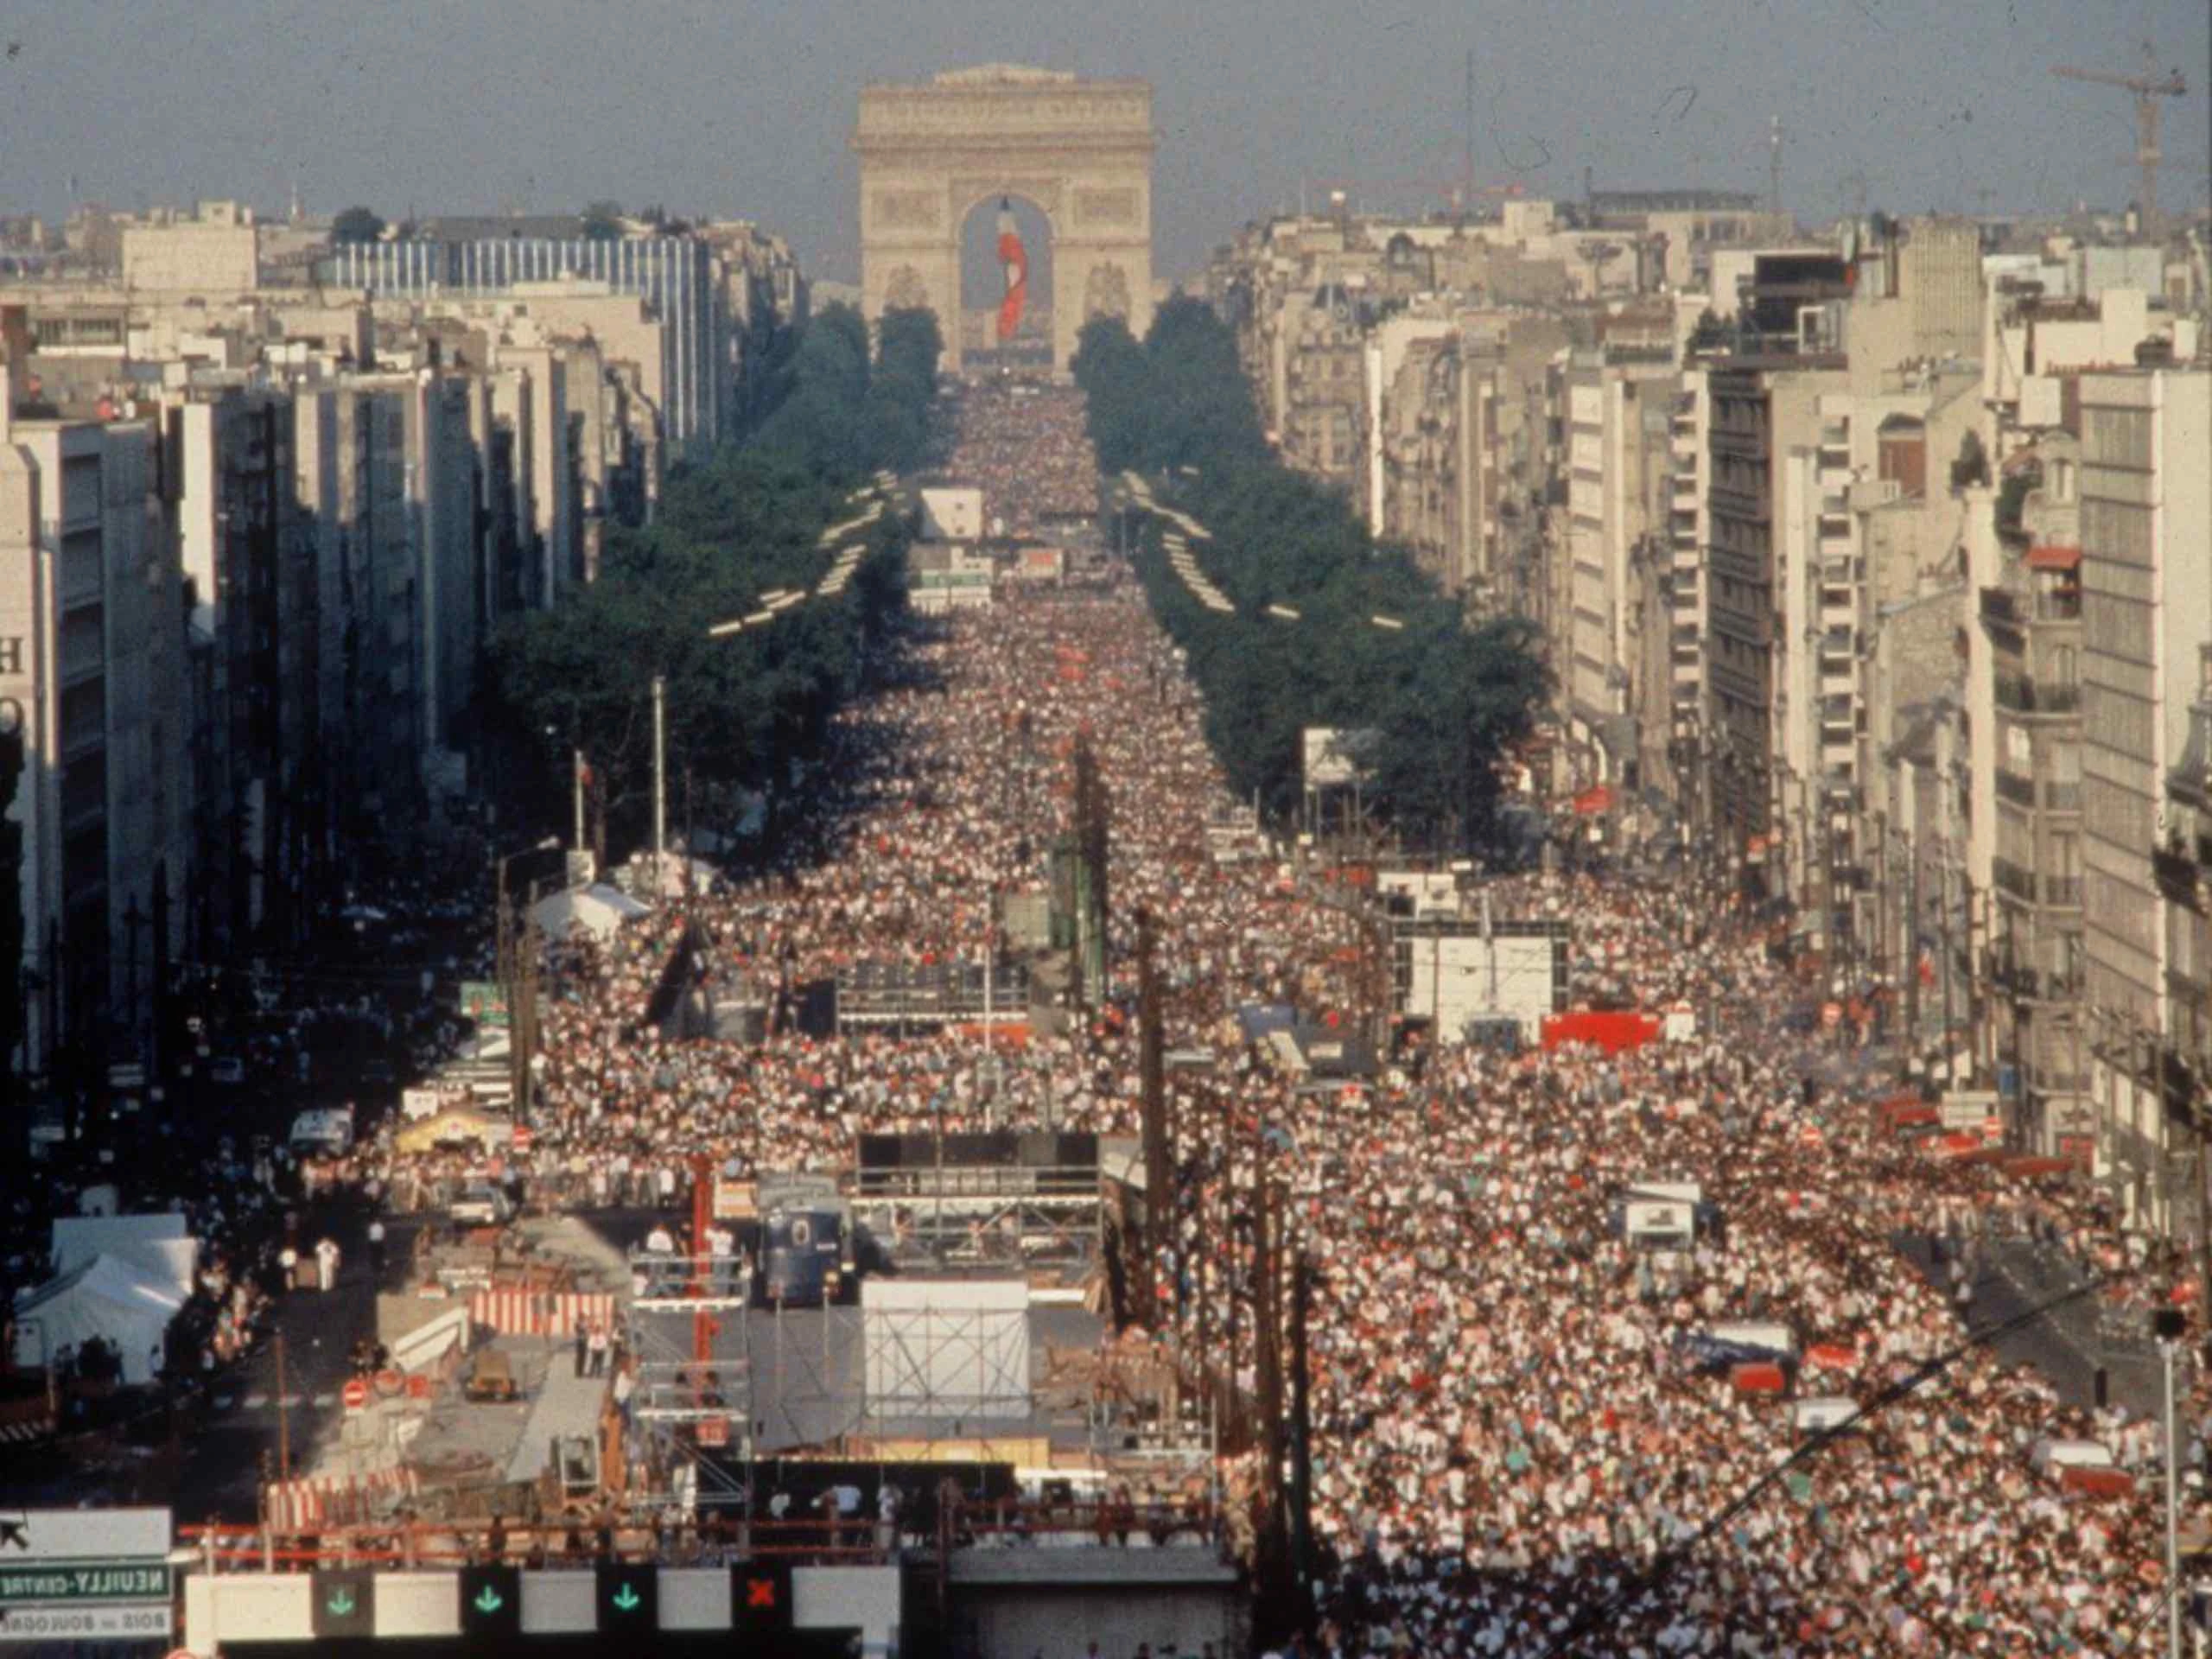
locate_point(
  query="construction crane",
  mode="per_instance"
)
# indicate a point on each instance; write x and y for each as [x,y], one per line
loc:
[2149,88]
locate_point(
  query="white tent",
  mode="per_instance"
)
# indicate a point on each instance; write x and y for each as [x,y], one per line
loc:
[123,1305]
[157,1243]
[597,909]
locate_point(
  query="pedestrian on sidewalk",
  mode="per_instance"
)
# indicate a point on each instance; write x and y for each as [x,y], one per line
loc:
[326,1263]
[584,1344]
[625,1386]
[598,1351]
[376,1247]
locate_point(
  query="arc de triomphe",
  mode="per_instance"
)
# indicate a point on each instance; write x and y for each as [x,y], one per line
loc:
[1080,151]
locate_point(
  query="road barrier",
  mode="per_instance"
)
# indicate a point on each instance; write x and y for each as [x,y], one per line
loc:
[540,1313]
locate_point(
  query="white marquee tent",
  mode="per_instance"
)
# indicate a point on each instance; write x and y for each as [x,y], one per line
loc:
[124,1305]
[598,910]
[156,1242]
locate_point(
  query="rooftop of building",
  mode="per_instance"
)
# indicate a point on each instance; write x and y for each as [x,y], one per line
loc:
[1688,200]
[499,227]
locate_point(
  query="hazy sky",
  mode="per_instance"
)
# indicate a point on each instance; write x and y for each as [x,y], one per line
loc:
[745,107]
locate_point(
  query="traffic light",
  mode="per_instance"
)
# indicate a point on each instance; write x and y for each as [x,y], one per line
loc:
[760,1597]
[491,1604]
[629,1599]
[344,1602]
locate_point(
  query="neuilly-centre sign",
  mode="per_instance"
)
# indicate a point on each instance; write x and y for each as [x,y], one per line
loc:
[50,1556]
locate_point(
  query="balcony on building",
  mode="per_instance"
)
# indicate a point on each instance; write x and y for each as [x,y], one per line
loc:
[2035,699]
[2016,608]
[2020,791]
[2011,878]
[1739,503]
[2025,983]
[2181,877]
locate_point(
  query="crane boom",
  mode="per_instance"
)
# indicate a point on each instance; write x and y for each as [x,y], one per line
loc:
[2148,87]
[2170,84]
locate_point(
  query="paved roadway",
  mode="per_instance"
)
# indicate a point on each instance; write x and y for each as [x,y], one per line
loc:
[2066,1343]
[242,1414]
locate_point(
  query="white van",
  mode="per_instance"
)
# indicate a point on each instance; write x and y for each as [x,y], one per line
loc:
[323,1133]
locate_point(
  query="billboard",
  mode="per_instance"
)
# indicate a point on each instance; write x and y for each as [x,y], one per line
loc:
[485,1001]
[1336,756]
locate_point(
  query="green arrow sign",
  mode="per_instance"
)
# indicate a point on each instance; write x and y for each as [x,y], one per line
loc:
[342,1603]
[489,1601]
[625,1600]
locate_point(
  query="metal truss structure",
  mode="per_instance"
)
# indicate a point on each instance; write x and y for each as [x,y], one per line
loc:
[1007,1217]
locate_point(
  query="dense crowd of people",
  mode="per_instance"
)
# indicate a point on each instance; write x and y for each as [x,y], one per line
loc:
[1519,1448]
[1024,445]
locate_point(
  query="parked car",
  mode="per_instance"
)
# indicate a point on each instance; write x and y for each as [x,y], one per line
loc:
[227,1070]
[490,1377]
[482,1205]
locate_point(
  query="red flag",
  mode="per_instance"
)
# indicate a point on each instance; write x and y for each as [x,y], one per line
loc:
[1014,259]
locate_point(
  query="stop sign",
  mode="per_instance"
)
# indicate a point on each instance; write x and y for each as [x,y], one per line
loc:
[356,1395]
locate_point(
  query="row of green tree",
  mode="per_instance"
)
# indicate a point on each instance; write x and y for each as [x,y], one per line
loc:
[1446,700]
[732,528]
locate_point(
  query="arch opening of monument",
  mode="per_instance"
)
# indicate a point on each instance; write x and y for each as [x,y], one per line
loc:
[1006,281]
[937,156]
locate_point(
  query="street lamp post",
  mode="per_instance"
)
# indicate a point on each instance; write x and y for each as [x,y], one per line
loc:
[510,978]
[2168,1325]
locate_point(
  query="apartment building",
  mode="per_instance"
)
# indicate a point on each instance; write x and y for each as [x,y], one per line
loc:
[1759,505]
[1318,357]
[679,277]
[246,556]
[1688,532]
[1677,232]
[91,673]
[2182,866]
[2146,612]
[1433,457]
[1619,460]
[2040,333]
